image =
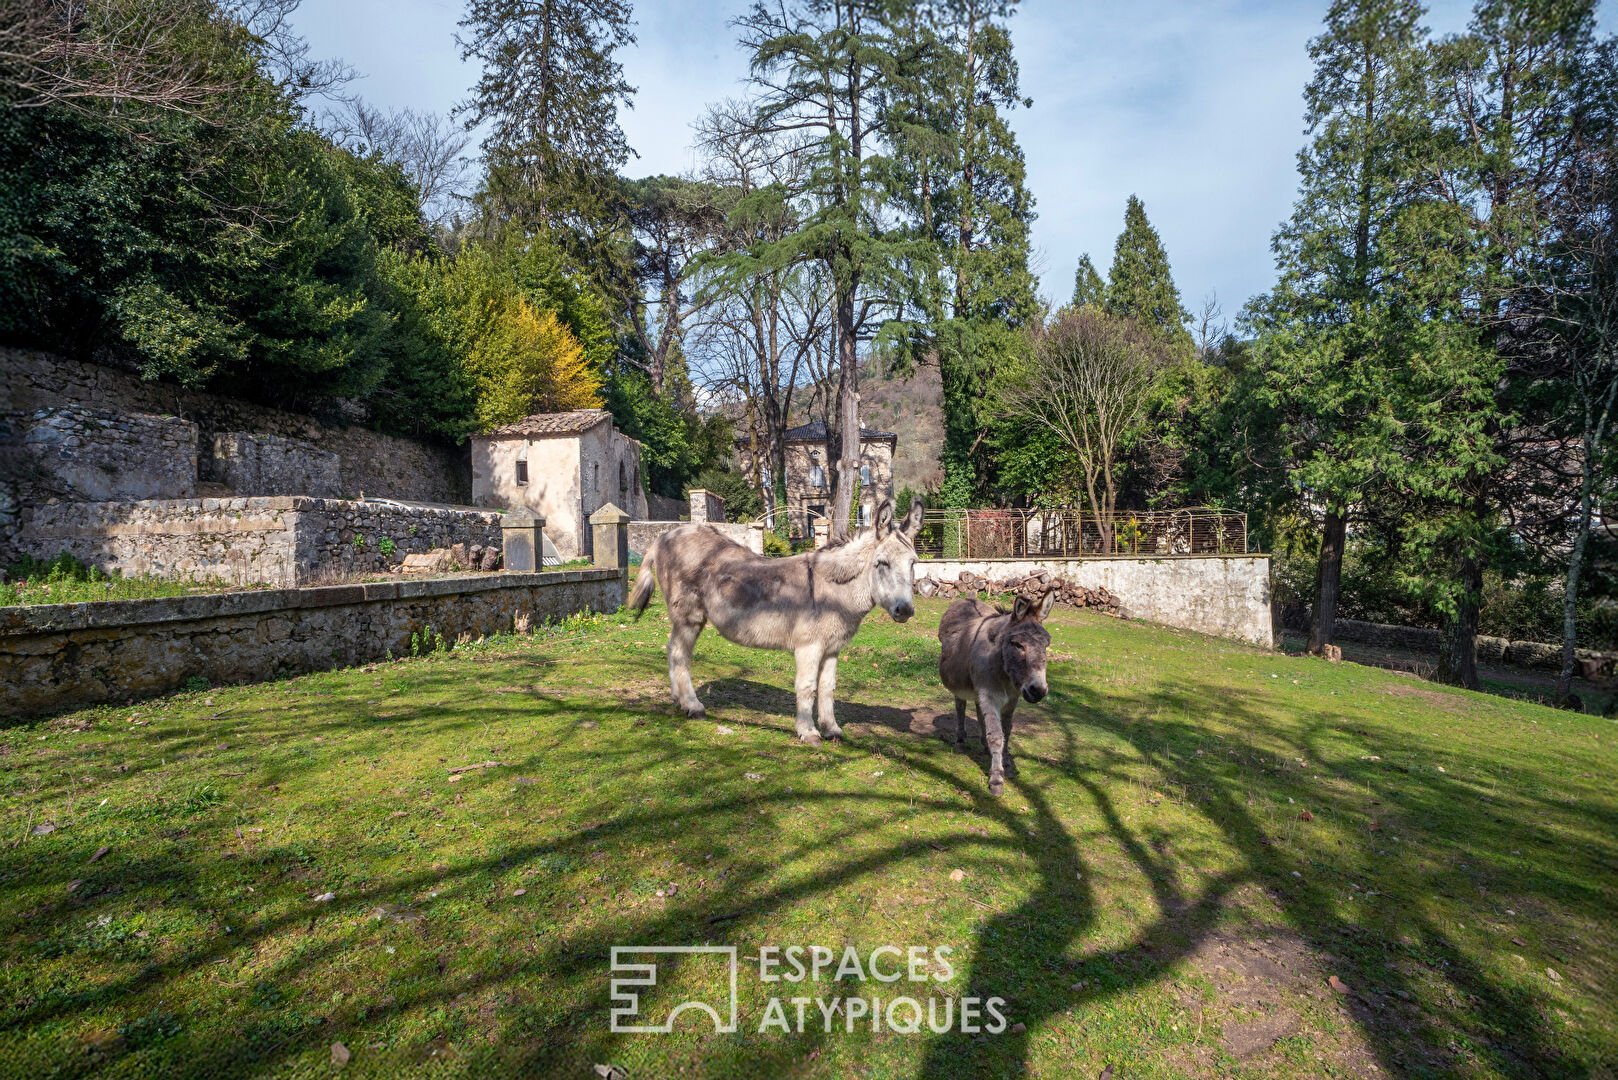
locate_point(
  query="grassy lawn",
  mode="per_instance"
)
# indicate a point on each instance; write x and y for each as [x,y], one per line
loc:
[1215,862]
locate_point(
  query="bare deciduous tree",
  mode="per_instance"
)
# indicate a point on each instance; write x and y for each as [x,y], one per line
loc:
[132,59]
[1086,380]
[431,149]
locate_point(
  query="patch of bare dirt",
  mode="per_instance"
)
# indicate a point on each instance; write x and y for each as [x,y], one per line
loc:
[1270,986]
[1447,702]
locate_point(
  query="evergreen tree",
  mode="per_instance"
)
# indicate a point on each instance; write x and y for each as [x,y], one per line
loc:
[548,97]
[963,170]
[1328,336]
[1513,100]
[1088,288]
[1140,285]
[826,73]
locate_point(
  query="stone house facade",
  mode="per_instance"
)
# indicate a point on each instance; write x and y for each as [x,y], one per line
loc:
[808,468]
[564,467]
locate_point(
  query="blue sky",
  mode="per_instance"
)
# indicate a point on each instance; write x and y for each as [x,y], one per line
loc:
[1196,106]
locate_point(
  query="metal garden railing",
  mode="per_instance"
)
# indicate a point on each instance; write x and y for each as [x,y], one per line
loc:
[1015,534]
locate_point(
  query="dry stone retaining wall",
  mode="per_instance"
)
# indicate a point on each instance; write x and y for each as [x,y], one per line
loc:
[94,455]
[370,462]
[271,465]
[279,540]
[68,655]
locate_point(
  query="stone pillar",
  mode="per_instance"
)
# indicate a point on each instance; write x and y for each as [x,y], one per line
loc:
[522,540]
[706,506]
[609,527]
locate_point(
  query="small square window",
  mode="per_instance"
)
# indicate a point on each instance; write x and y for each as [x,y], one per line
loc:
[522,472]
[865,474]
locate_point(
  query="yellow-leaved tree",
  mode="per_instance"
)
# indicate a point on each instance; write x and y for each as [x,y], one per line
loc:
[518,359]
[525,361]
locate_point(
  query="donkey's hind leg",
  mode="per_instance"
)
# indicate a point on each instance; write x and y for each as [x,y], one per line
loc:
[960,725]
[806,684]
[826,716]
[682,636]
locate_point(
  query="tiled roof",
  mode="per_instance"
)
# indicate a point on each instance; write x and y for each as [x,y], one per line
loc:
[816,432]
[560,423]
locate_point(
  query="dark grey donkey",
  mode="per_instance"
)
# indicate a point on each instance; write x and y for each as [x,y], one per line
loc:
[989,658]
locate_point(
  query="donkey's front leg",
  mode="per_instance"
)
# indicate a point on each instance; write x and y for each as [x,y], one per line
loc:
[826,716]
[996,742]
[806,683]
[960,725]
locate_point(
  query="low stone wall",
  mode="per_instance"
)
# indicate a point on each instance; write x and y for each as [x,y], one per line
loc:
[1223,595]
[62,656]
[1536,655]
[279,540]
[642,533]
[370,462]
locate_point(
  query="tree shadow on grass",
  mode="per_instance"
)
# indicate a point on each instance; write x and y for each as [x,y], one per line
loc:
[1026,953]
[1503,1024]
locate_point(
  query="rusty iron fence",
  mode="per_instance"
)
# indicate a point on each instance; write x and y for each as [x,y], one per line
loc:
[1027,534]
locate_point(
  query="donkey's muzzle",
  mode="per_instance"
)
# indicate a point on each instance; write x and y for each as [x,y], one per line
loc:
[1034,694]
[903,612]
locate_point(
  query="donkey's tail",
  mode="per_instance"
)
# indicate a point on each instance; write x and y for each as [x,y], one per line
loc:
[646,582]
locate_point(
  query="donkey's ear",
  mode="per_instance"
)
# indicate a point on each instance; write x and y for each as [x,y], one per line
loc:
[1046,602]
[1023,608]
[884,518]
[912,521]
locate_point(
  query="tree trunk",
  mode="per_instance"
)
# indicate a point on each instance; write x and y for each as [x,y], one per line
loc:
[1329,580]
[1458,654]
[1575,565]
[847,438]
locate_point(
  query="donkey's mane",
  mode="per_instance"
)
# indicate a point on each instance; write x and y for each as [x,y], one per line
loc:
[841,562]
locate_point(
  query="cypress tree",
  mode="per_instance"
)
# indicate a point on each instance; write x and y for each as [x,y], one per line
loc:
[1088,288]
[1140,285]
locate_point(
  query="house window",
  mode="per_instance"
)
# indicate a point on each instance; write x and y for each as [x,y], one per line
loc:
[865,513]
[522,472]
[623,484]
[865,474]
[817,476]
[816,512]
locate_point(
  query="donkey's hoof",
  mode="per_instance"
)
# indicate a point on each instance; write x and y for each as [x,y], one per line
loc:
[997,788]
[698,713]
[834,733]
[811,738]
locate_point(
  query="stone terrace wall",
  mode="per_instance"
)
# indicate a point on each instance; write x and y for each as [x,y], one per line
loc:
[75,452]
[372,463]
[270,465]
[278,540]
[1222,595]
[68,655]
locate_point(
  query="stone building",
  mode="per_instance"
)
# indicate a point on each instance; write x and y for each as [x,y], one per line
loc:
[562,466]
[809,472]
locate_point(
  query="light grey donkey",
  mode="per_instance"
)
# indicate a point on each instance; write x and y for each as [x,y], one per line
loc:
[990,657]
[809,605]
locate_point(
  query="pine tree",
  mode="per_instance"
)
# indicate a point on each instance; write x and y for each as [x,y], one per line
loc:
[1512,101]
[1088,288]
[1140,284]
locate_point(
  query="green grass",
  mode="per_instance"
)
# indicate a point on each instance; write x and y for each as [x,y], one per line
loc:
[1145,895]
